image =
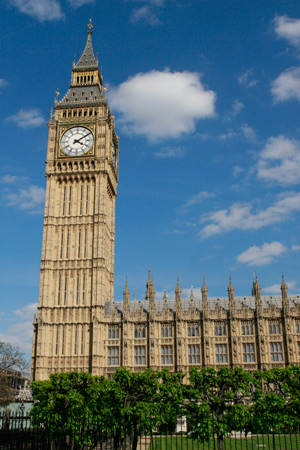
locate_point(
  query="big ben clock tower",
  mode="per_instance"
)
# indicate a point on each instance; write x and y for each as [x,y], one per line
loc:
[77,265]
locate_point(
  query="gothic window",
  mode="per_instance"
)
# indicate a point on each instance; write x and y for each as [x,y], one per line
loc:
[75,113]
[297,327]
[92,78]
[65,291]
[85,112]
[56,344]
[79,243]
[61,244]
[91,112]
[83,289]
[139,355]
[221,353]
[64,201]
[274,328]
[92,93]
[193,330]
[80,113]
[140,332]
[299,351]
[220,329]
[69,114]
[59,166]
[248,353]
[88,78]
[113,332]
[276,351]
[81,193]
[67,246]
[77,290]
[194,354]
[63,342]
[166,331]
[113,356]
[82,341]
[87,200]
[166,354]
[85,78]
[85,242]
[247,329]
[75,342]
[64,114]
[59,286]
[70,200]
[82,93]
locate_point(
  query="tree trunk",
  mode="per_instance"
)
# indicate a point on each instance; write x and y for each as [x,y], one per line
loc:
[220,442]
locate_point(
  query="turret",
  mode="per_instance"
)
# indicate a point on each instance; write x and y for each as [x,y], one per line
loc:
[150,293]
[126,298]
[178,297]
[231,299]
[256,292]
[204,291]
[284,295]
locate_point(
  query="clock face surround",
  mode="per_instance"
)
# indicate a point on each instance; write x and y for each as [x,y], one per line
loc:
[77,141]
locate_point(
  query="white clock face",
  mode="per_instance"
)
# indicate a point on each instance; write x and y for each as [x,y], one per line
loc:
[77,141]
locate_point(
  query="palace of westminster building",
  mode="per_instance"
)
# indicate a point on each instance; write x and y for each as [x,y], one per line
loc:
[78,326]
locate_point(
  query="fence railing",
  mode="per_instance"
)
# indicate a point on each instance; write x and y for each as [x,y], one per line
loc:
[17,433]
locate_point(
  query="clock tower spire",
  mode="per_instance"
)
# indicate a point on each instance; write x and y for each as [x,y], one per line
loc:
[77,265]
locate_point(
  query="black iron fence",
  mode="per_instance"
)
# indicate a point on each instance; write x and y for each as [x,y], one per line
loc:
[17,433]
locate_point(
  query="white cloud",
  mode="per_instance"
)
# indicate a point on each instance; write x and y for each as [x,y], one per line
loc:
[145,14]
[148,13]
[170,152]
[20,193]
[240,216]
[162,104]
[275,288]
[196,199]
[42,10]
[237,171]
[236,108]
[12,179]
[30,118]
[78,3]
[20,332]
[287,85]
[3,83]
[279,161]
[260,256]
[295,248]
[246,79]
[248,132]
[288,28]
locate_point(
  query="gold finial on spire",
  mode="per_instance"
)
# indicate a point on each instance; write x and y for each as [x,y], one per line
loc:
[90,27]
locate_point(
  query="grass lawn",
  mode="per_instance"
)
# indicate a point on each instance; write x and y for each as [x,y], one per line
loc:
[283,442]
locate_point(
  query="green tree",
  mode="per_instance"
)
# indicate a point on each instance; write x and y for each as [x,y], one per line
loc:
[218,402]
[276,402]
[65,406]
[139,407]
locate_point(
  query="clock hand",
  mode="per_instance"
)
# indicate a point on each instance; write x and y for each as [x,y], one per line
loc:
[78,140]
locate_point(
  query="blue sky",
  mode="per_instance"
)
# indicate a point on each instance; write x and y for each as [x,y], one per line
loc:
[206,99]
